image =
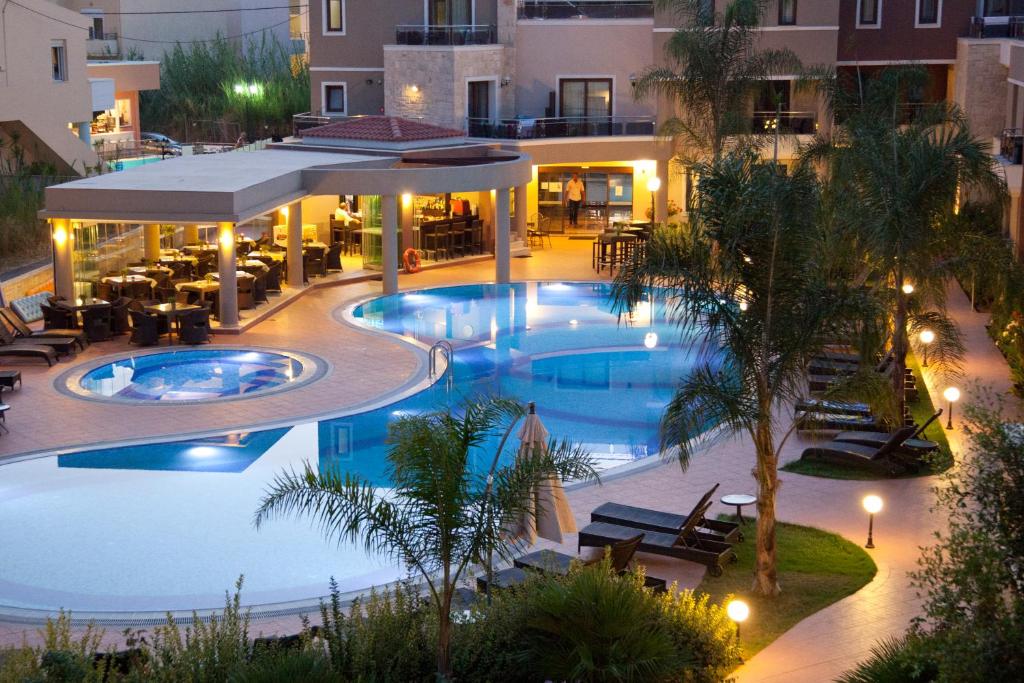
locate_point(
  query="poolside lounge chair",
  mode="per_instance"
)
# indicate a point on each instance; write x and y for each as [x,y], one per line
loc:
[23,350]
[912,444]
[64,346]
[685,545]
[885,458]
[668,522]
[21,329]
[822,421]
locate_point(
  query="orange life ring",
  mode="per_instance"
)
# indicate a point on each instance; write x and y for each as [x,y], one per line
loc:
[411,259]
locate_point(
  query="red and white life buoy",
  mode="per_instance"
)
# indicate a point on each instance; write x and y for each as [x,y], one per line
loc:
[411,259]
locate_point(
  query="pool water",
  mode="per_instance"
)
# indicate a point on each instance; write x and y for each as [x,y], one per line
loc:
[169,526]
[193,375]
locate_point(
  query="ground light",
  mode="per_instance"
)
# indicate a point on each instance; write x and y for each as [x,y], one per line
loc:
[926,337]
[653,185]
[873,505]
[951,394]
[738,611]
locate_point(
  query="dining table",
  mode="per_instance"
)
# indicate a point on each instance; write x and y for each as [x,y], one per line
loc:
[240,274]
[190,248]
[173,312]
[200,287]
[128,279]
[81,304]
[270,255]
[183,258]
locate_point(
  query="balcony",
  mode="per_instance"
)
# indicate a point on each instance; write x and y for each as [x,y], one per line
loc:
[787,122]
[586,9]
[1011,145]
[454,34]
[102,45]
[559,127]
[997,27]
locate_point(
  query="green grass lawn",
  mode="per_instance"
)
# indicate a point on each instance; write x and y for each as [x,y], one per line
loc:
[921,410]
[816,569]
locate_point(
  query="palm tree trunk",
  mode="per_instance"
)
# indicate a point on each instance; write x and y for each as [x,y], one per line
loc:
[899,345]
[766,578]
[444,630]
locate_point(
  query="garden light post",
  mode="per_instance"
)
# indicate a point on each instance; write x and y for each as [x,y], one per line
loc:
[951,394]
[926,337]
[653,185]
[873,505]
[908,289]
[738,611]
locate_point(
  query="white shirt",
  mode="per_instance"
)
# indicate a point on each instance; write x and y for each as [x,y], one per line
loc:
[574,190]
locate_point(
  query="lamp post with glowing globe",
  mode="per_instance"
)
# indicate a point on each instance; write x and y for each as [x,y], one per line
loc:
[653,185]
[873,505]
[951,394]
[926,337]
[738,611]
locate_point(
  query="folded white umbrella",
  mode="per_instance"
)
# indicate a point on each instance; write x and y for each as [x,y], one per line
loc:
[548,514]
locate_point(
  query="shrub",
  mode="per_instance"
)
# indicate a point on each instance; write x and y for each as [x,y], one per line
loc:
[894,660]
[488,638]
[703,630]
[285,666]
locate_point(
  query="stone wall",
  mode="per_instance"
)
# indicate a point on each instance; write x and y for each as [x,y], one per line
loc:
[27,283]
[980,88]
[429,82]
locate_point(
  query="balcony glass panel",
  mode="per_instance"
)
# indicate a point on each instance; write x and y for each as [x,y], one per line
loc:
[585,9]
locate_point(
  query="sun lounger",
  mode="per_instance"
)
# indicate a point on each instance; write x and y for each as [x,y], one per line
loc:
[668,522]
[23,330]
[885,458]
[913,444]
[839,407]
[64,346]
[819,421]
[684,545]
[20,350]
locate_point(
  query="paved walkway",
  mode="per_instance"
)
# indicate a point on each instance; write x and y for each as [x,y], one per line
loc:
[817,649]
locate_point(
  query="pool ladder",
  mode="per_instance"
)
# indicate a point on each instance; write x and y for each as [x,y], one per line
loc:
[445,350]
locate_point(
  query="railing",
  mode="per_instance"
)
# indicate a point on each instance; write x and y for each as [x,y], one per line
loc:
[570,9]
[307,120]
[455,34]
[559,127]
[101,35]
[1011,145]
[445,350]
[787,122]
[997,27]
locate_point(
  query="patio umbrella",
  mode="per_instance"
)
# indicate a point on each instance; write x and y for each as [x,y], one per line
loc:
[548,514]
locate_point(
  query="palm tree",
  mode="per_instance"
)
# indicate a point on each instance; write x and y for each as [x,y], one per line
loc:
[713,69]
[898,173]
[745,274]
[443,512]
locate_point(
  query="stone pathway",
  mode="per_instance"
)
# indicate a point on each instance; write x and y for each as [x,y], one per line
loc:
[817,649]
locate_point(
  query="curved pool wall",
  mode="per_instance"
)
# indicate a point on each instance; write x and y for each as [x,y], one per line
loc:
[190,375]
[146,529]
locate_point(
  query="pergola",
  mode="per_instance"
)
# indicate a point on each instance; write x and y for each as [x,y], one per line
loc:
[235,187]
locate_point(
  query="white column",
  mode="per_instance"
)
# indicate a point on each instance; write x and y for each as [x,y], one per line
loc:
[190,233]
[228,267]
[295,245]
[389,242]
[405,223]
[661,196]
[151,242]
[522,211]
[63,272]
[502,227]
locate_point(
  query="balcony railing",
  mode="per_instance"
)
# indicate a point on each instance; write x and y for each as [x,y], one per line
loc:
[584,9]
[559,127]
[455,34]
[101,35]
[1011,145]
[997,27]
[787,122]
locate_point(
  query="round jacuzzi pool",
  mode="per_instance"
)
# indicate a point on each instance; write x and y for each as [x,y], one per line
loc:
[195,375]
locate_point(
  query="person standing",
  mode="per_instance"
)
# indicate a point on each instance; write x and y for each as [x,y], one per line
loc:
[575,194]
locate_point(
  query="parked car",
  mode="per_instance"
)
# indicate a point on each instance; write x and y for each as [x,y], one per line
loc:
[156,143]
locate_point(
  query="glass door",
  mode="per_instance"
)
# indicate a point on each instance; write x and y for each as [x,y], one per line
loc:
[587,104]
[478,108]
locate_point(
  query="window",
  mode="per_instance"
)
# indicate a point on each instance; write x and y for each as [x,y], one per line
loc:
[928,12]
[335,98]
[585,97]
[58,56]
[334,16]
[787,12]
[868,12]
[449,12]
[706,12]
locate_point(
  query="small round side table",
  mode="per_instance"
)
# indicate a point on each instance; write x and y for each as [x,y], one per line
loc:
[738,500]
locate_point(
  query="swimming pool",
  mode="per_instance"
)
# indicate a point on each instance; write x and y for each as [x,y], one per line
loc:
[193,375]
[169,526]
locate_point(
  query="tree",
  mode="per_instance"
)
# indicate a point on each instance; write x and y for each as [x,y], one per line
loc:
[897,171]
[745,274]
[713,69]
[440,514]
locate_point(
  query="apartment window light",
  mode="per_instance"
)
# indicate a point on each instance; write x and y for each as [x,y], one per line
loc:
[869,13]
[334,17]
[929,12]
[787,12]
[335,99]
[58,56]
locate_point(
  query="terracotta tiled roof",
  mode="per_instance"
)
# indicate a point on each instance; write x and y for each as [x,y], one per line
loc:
[381,129]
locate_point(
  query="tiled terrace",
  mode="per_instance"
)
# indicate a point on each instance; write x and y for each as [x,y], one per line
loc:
[366,366]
